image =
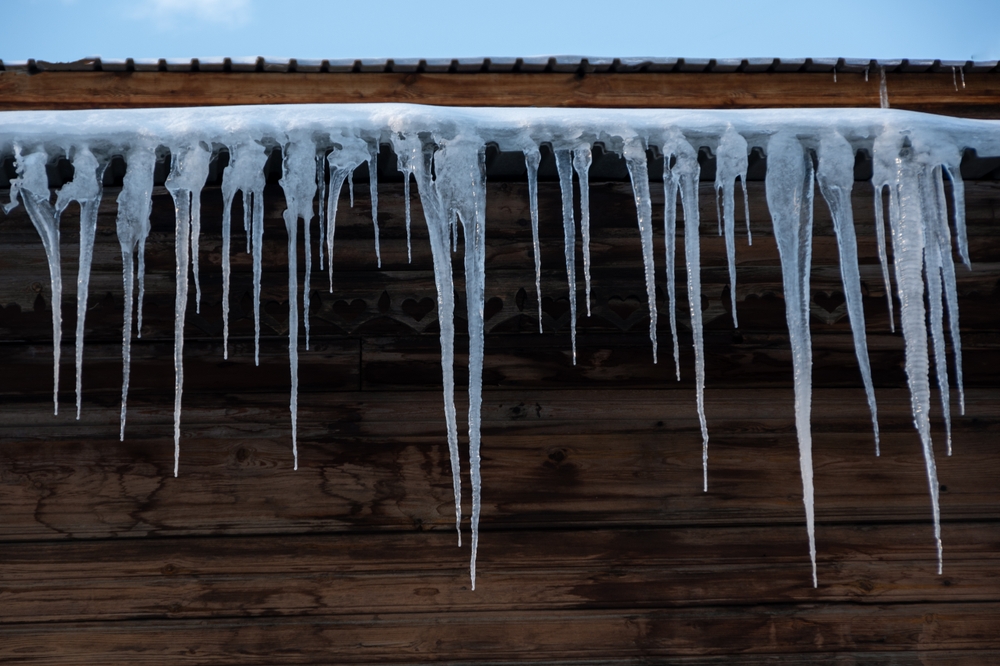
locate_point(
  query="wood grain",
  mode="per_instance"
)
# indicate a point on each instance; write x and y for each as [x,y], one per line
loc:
[930,92]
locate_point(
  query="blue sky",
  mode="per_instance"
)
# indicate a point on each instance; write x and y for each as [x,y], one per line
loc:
[70,29]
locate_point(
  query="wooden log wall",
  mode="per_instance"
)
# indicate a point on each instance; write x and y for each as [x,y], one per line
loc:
[598,544]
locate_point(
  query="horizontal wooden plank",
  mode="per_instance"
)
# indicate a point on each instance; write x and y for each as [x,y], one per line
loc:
[545,636]
[517,572]
[932,92]
[550,458]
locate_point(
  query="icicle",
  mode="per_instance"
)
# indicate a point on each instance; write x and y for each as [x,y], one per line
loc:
[32,184]
[954,79]
[961,71]
[834,74]
[346,156]
[634,153]
[895,168]
[185,182]
[321,201]
[933,267]
[417,158]
[299,183]
[789,185]
[134,206]
[86,189]
[948,268]
[732,162]
[954,172]
[883,91]
[406,197]
[866,74]
[670,182]
[460,166]
[373,189]
[532,158]
[883,258]
[582,159]
[563,165]
[686,173]
[245,173]
[835,176]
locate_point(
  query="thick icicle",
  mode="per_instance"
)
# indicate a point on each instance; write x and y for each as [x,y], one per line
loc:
[883,90]
[684,175]
[883,257]
[789,185]
[347,155]
[134,205]
[245,173]
[417,158]
[835,176]
[532,158]
[321,201]
[298,180]
[564,166]
[896,167]
[635,158]
[85,188]
[188,174]
[582,159]
[731,163]
[933,208]
[460,166]
[32,184]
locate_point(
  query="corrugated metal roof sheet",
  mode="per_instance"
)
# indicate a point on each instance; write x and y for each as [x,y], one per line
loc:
[567,64]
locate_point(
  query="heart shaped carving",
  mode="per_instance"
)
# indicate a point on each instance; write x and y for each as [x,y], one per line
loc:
[418,309]
[350,311]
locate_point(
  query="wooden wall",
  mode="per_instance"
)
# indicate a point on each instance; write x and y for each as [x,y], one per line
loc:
[598,544]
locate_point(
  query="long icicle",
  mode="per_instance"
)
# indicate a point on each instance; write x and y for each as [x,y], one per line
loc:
[895,168]
[417,158]
[185,182]
[835,176]
[532,158]
[635,158]
[32,185]
[687,173]
[670,191]
[134,206]
[564,167]
[86,189]
[789,184]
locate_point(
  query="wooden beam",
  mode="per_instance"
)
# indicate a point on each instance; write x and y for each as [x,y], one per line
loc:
[930,92]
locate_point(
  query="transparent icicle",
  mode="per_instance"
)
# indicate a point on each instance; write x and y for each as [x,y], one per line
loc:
[321,201]
[460,167]
[298,181]
[532,158]
[417,158]
[731,163]
[134,205]
[32,185]
[883,90]
[670,191]
[373,190]
[789,185]
[896,168]
[582,159]
[188,174]
[347,155]
[948,272]
[634,153]
[245,173]
[933,207]
[883,257]
[85,188]
[684,174]
[835,176]
[565,169]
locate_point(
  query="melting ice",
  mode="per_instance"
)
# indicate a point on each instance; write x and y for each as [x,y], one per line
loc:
[443,152]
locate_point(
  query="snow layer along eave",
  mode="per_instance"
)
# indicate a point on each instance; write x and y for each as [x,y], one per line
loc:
[509,128]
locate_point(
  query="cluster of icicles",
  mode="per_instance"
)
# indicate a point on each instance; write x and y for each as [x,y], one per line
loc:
[444,152]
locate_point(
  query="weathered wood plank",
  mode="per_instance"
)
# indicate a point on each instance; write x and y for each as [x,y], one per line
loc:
[518,571]
[557,458]
[932,92]
[542,636]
